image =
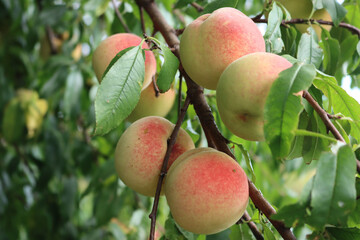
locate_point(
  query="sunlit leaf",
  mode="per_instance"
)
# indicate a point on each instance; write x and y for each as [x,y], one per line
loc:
[120,89]
[272,35]
[308,50]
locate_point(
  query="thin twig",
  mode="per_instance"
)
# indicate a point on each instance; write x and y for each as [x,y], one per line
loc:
[170,143]
[179,95]
[246,218]
[120,17]
[323,115]
[325,118]
[143,28]
[197,7]
[50,35]
[156,88]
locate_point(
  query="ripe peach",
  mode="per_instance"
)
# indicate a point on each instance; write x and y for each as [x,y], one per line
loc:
[207,191]
[150,105]
[141,149]
[112,45]
[212,41]
[242,91]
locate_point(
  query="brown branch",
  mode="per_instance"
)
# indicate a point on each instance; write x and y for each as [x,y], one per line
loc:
[170,143]
[155,86]
[50,35]
[350,27]
[179,95]
[246,218]
[198,7]
[143,28]
[121,19]
[195,93]
[325,117]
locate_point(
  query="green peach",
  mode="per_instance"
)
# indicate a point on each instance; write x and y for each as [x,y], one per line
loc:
[242,91]
[152,105]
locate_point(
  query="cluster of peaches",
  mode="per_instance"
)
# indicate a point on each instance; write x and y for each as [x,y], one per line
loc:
[206,190]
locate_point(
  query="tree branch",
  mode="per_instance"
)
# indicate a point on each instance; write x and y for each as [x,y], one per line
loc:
[206,118]
[198,7]
[121,19]
[350,27]
[326,119]
[170,143]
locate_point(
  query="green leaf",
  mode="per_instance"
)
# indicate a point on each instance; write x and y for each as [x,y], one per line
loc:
[13,122]
[171,231]
[347,48]
[353,14]
[216,4]
[344,233]
[340,101]
[52,15]
[308,50]
[333,194]
[268,234]
[223,235]
[302,132]
[331,49]
[248,161]
[119,91]
[74,85]
[337,12]
[272,36]
[283,107]
[168,69]
[182,3]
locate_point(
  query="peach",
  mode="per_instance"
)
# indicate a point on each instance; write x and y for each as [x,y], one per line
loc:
[152,105]
[213,41]
[112,45]
[207,191]
[242,91]
[141,149]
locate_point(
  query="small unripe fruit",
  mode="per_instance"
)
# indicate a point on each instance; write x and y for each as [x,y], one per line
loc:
[213,41]
[112,45]
[207,191]
[141,150]
[242,91]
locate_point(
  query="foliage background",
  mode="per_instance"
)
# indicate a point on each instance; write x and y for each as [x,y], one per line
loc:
[57,181]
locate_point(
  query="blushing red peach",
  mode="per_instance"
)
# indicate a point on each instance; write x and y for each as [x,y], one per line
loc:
[141,149]
[207,191]
[213,41]
[112,45]
[242,91]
